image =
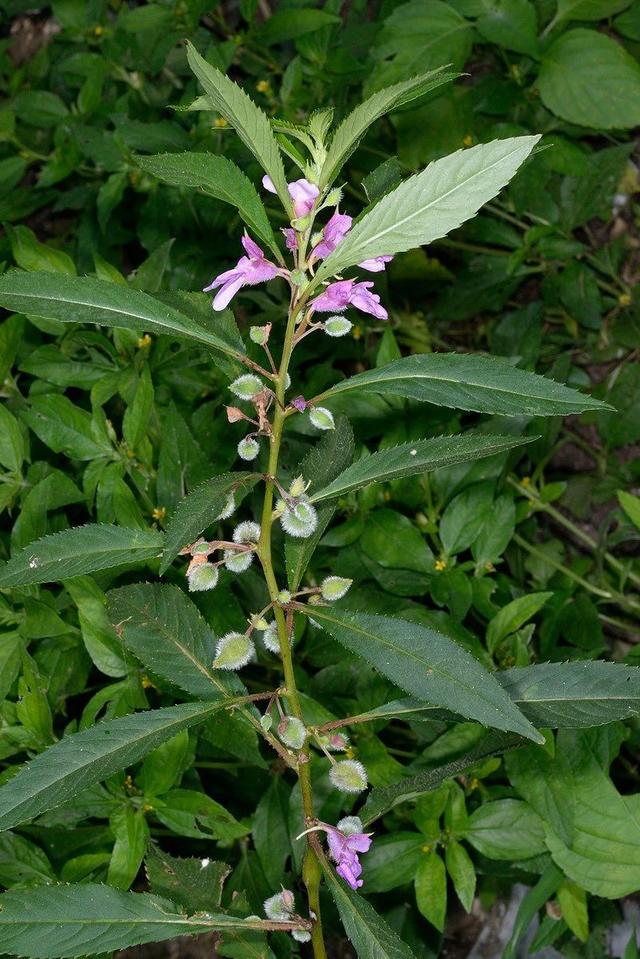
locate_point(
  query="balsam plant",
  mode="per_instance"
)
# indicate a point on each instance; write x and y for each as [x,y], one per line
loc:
[323,261]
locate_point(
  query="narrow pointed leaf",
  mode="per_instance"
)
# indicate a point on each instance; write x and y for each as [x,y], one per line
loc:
[248,120]
[55,922]
[368,932]
[86,758]
[418,457]
[75,299]
[554,695]
[355,125]
[427,664]
[218,177]
[465,382]
[75,552]
[199,509]
[164,629]
[431,204]
[381,800]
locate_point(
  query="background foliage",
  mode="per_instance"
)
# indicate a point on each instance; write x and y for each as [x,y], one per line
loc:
[524,557]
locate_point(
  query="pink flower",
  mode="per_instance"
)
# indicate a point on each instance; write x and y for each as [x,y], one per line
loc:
[290,238]
[338,296]
[345,841]
[303,193]
[249,270]
[334,232]
[376,264]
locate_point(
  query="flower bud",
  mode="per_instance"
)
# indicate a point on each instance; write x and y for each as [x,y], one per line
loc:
[322,418]
[334,587]
[246,532]
[270,637]
[234,650]
[349,776]
[279,907]
[300,520]
[237,562]
[298,486]
[246,386]
[299,277]
[292,732]
[338,742]
[301,935]
[202,549]
[259,623]
[337,326]
[266,722]
[248,449]
[284,596]
[260,334]
[350,825]
[202,577]
[334,197]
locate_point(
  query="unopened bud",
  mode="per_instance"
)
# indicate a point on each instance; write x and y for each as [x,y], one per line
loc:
[246,386]
[284,596]
[301,935]
[334,587]
[334,197]
[349,776]
[298,486]
[266,722]
[260,334]
[350,825]
[234,650]
[202,577]
[292,732]
[322,418]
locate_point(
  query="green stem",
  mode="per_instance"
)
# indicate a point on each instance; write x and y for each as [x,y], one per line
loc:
[311,868]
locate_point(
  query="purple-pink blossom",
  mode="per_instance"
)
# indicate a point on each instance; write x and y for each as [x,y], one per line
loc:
[303,193]
[333,233]
[376,264]
[346,841]
[290,238]
[249,270]
[343,293]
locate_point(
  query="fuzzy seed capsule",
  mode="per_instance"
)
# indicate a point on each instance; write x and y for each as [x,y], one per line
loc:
[202,577]
[322,418]
[349,776]
[245,387]
[292,732]
[234,650]
[248,449]
[334,587]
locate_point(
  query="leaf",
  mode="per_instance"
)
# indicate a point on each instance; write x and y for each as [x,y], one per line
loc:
[53,922]
[192,883]
[164,629]
[199,509]
[514,615]
[506,829]
[289,24]
[218,177]
[631,506]
[430,204]
[247,119]
[588,9]
[512,24]
[329,457]
[462,872]
[589,79]
[75,552]
[369,934]
[554,695]
[83,759]
[64,427]
[573,905]
[381,800]
[428,665]
[418,457]
[73,299]
[431,889]
[348,135]
[591,830]
[465,382]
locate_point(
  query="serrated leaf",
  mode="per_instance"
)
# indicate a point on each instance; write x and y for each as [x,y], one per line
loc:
[86,758]
[247,119]
[462,381]
[381,800]
[369,934]
[430,204]
[329,457]
[192,883]
[199,509]
[348,135]
[164,629]
[73,299]
[428,665]
[54,922]
[554,695]
[75,552]
[218,177]
[417,457]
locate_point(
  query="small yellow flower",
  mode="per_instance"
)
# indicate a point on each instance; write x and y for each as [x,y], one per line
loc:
[526,481]
[425,848]
[474,783]
[159,512]
[144,341]
[128,782]
[349,753]
[356,333]
[146,683]
[468,140]
[489,567]
[220,123]
[147,807]
[263,86]
[98,31]
[624,299]
[440,565]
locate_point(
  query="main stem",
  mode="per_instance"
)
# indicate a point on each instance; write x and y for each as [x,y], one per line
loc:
[311,870]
